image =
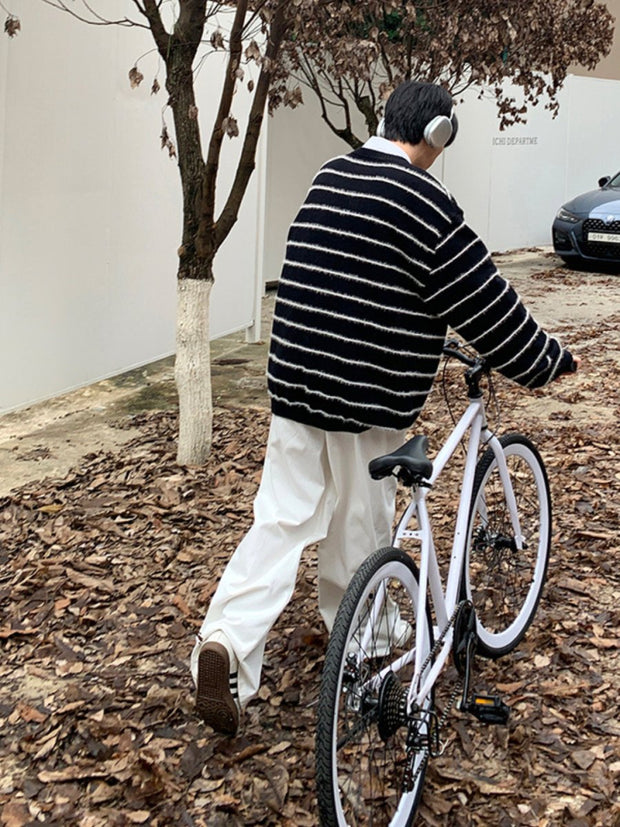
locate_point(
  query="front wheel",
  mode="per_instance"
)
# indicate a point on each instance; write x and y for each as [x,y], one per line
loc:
[573,262]
[369,763]
[505,569]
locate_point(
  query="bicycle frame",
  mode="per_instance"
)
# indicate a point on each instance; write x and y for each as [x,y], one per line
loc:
[444,603]
[475,590]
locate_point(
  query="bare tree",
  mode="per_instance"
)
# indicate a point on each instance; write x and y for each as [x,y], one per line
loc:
[352,54]
[184,33]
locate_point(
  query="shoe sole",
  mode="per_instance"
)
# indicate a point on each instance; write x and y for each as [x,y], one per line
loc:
[214,701]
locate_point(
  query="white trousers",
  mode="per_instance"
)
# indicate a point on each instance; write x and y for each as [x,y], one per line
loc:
[315,487]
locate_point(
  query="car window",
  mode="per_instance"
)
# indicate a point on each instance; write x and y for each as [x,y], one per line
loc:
[615,181]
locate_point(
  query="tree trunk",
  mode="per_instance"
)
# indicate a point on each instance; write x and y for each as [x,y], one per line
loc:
[192,371]
[203,235]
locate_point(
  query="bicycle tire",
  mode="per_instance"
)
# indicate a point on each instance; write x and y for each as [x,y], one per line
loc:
[504,584]
[361,764]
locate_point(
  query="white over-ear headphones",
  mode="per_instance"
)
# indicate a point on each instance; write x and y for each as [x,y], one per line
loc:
[438,133]
[441,131]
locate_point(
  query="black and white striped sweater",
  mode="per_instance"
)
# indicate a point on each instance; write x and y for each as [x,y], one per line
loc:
[379,261]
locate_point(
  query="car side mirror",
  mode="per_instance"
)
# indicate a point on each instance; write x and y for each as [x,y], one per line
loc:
[602,182]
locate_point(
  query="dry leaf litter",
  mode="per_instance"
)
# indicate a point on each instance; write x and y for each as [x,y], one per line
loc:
[106,574]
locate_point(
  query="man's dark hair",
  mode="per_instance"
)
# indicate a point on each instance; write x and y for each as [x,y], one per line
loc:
[411,106]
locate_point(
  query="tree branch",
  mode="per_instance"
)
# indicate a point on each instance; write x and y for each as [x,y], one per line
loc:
[156,25]
[246,164]
[217,135]
[313,82]
[98,19]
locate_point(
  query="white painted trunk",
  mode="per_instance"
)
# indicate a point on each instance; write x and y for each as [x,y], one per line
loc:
[192,371]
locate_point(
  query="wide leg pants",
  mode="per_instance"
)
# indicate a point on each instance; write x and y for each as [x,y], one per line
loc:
[315,487]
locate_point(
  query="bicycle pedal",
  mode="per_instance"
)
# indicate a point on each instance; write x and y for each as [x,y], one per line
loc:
[489,709]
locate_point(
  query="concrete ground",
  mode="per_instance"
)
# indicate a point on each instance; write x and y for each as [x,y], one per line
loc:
[51,437]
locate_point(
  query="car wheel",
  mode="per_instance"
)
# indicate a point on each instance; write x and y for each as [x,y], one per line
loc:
[574,262]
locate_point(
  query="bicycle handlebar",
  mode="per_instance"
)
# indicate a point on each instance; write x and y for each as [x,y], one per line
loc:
[477,365]
[452,347]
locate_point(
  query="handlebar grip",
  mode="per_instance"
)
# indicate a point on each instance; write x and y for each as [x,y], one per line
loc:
[462,357]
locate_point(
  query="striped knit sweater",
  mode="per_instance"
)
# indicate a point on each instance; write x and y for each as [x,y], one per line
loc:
[379,262]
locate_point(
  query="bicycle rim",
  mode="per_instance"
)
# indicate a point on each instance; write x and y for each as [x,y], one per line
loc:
[505,582]
[366,775]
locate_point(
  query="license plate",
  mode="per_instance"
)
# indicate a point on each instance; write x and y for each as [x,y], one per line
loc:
[606,238]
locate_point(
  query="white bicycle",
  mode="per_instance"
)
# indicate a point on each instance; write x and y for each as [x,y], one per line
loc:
[377,724]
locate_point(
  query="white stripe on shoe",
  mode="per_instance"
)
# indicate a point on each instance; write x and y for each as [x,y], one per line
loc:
[215,701]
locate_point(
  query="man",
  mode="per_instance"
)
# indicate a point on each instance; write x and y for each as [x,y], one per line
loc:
[378,263]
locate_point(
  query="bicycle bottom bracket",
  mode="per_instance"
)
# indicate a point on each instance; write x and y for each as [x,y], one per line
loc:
[392,706]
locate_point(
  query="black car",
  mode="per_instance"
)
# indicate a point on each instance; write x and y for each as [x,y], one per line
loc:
[588,227]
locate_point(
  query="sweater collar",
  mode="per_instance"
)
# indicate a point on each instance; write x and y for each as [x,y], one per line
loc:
[378,144]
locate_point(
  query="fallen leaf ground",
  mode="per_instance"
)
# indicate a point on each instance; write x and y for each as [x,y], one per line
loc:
[105,577]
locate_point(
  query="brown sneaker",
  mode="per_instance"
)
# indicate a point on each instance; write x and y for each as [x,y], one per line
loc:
[215,702]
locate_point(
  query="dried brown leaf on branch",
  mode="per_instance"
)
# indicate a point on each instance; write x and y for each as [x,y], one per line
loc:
[12,25]
[166,142]
[135,77]
[352,54]
[230,127]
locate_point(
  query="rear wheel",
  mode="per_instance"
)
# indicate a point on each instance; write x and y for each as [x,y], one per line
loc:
[503,573]
[366,772]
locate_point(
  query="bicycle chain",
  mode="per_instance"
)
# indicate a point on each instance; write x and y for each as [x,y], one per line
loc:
[439,642]
[426,750]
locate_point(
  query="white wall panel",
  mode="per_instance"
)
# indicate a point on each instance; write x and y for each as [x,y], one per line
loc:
[465,166]
[593,145]
[298,143]
[90,208]
[526,166]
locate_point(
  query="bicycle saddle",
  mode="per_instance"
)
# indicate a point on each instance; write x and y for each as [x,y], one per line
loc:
[410,459]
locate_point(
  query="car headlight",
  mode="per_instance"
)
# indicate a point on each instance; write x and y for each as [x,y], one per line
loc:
[565,215]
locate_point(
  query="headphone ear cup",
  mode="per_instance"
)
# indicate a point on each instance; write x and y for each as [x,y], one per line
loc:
[438,132]
[455,128]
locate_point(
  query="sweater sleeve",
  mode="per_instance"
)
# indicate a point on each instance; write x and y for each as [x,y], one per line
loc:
[465,289]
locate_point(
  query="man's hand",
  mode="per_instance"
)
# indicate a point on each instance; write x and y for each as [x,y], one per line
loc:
[576,366]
